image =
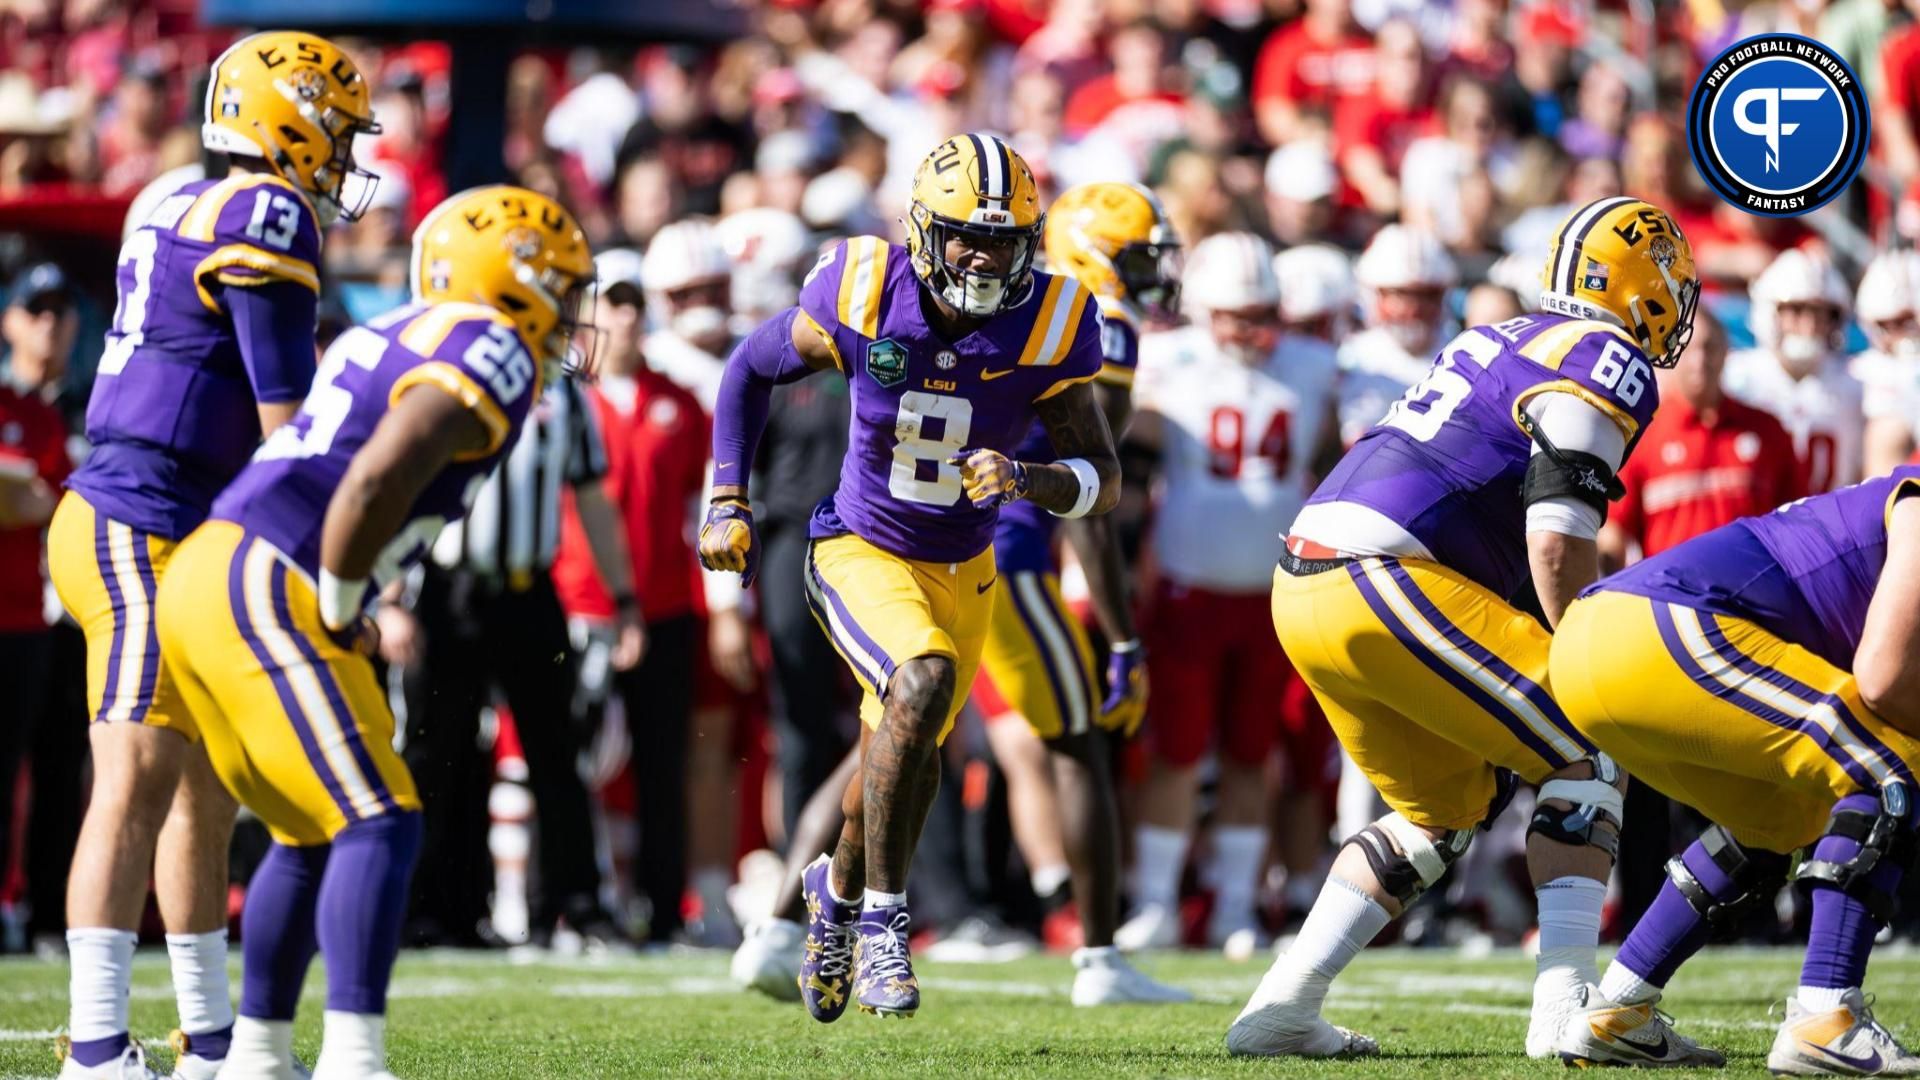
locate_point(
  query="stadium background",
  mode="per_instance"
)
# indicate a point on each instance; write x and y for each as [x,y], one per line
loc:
[1290,121]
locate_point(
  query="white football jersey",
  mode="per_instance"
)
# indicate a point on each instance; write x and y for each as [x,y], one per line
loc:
[1238,447]
[1823,413]
[1375,370]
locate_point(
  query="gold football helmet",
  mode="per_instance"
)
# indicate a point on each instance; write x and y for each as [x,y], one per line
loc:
[515,251]
[1624,261]
[1116,240]
[296,101]
[977,187]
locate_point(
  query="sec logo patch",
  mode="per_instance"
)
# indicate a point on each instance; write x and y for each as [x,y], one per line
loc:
[1778,125]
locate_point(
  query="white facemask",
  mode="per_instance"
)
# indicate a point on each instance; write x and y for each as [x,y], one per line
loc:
[700,325]
[1905,348]
[1800,354]
[1413,337]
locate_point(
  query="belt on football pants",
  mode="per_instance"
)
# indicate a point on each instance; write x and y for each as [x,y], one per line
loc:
[1304,558]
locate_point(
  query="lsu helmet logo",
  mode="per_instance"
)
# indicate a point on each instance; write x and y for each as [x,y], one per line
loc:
[1778,125]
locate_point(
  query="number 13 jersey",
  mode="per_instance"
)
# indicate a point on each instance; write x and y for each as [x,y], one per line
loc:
[919,399]
[1440,476]
[172,417]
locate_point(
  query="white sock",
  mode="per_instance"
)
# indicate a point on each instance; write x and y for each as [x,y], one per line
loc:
[876,899]
[835,894]
[1569,936]
[1821,998]
[101,973]
[1622,986]
[1341,923]
[1237,853]
[1159,856]
[200,980]
[257,1041]
[351,1045]
[1048,879]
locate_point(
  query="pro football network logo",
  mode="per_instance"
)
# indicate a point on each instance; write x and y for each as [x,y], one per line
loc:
[1778,125]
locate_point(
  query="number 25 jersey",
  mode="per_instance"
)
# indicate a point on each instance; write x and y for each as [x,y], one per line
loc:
[1447,462]
[919,399]
[173,416]
[467,350]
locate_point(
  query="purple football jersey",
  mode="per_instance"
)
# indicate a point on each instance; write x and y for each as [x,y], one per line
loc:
[919,399]
[172,417]
[469,351]
[1447,461]
[1024,538]
[1805,573]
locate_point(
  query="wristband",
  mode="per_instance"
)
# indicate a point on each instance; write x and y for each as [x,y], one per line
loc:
[340,600]
[1089,478]
[1131,645]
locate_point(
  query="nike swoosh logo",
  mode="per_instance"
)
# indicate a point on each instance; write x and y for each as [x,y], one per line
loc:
[1655,1050]
[723,465]
[1869,1064]
[989,376]
[981,590]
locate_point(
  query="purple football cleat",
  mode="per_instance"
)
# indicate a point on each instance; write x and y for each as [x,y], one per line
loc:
[826,968]
[884,982]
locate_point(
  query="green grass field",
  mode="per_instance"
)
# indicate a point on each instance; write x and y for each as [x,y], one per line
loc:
[1437,1015]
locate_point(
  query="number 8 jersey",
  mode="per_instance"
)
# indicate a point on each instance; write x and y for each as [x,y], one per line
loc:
[1439,478]
[919,399]
[173,414]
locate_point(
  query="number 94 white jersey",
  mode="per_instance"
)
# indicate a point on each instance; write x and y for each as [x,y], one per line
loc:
[1239,442]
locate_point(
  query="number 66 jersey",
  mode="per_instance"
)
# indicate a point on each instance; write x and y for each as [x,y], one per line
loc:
[1393,600]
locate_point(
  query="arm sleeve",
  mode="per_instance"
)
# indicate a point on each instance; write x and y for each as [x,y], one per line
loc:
[586,446]
[764,360]
[274,322]
[1573,424]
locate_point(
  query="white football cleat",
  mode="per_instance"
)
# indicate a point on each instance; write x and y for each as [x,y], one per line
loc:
[1847,1041]
[261,1050]
[1237,938]
[1602,1032]
[1104,977]
[130,1065]
[1154,926]
[769,959]
[1285,1029]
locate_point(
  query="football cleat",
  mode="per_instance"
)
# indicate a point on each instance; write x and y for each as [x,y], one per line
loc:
[1154,926]
[130,1065]
[883,982]
[1104,977]
[981,939]
[1285,1029]
[1602,1032]
[769,959]
[188,1065]
[826,963]
[1847,1041]
[1237,938]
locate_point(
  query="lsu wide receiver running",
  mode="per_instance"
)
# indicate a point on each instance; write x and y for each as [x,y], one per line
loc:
[1044,705]
[951,347]
[211,345]
[260,614]
[1391,601]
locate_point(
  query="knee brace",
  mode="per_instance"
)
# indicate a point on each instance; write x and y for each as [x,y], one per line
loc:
[1595,802]
[1404,858]
[1754,874]
[1884,834]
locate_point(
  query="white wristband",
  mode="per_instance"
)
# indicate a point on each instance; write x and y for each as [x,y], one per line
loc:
[340,601]
[1089,478]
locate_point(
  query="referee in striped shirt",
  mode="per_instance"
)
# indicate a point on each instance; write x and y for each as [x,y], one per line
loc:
[485,618]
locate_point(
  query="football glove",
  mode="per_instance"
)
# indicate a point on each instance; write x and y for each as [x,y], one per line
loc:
[727,539]
[990,477]
[1126,704]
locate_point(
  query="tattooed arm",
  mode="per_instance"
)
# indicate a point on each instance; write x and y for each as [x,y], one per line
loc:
[1078,429]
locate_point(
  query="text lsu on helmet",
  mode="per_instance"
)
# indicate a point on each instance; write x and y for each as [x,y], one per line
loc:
[1115,239]
[515,251]
[1624,261]
[974,187]
[296,101]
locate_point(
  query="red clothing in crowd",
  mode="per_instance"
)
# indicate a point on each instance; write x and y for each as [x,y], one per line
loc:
[33,436]
[1389,129]
[1298,67]
[1900,72]
[656,470]
[1692,473]
[1097,99]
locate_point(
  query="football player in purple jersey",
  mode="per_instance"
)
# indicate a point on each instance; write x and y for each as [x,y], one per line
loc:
[951,346]
[1392,601]
[1767,674]
[211,345]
